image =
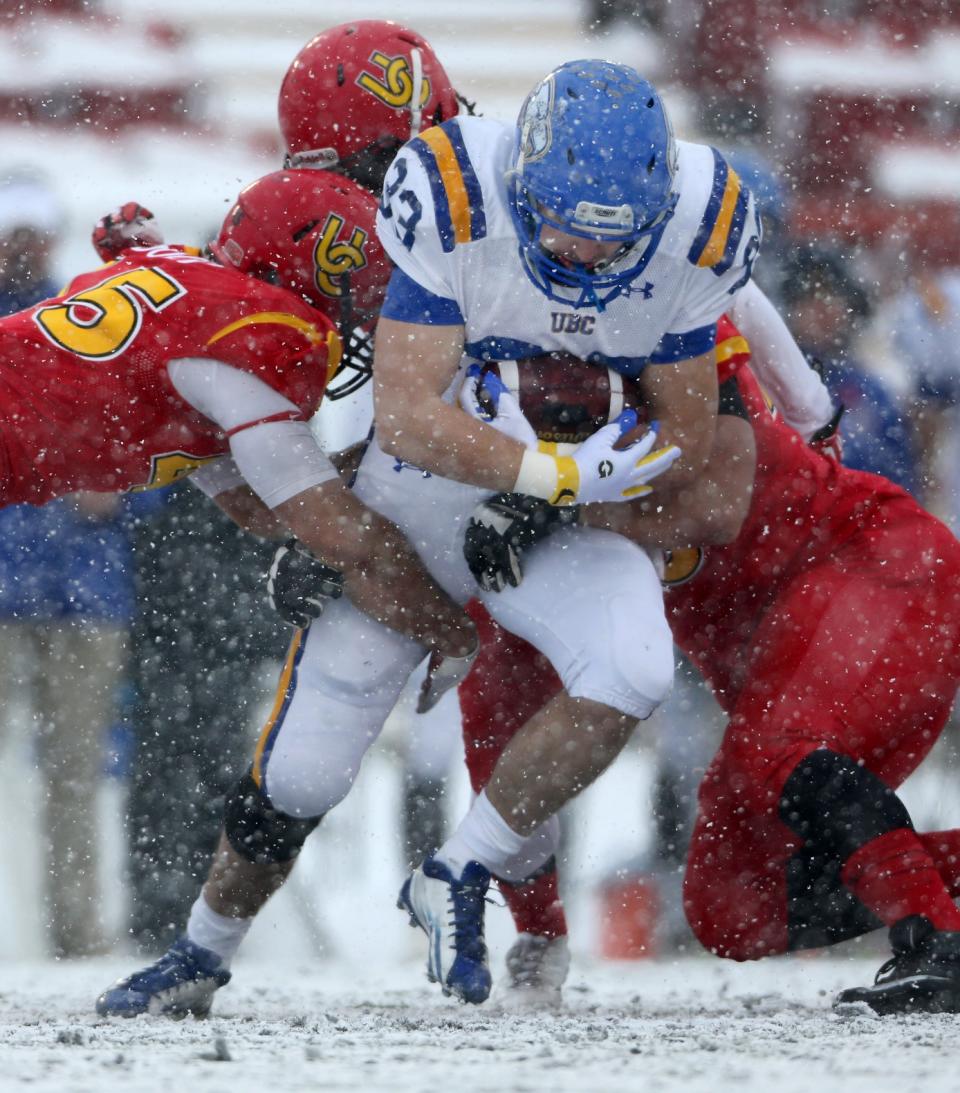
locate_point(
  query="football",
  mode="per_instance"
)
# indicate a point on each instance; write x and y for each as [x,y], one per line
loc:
[564,398]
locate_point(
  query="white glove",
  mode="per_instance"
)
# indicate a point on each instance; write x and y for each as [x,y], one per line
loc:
[596,470]
[486,398]
[607,474]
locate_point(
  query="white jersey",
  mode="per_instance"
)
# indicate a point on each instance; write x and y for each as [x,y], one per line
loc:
[445,222]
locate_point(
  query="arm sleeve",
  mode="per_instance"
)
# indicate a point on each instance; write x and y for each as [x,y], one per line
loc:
[409,302]
[796,390]
[217,476]
[273,448]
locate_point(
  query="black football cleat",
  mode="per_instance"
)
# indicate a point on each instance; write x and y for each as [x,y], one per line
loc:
[922,976]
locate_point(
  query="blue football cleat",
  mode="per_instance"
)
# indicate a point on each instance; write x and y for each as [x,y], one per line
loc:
[184,980]
[449,910]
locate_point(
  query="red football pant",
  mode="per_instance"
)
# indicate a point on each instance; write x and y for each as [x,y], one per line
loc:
[859,655]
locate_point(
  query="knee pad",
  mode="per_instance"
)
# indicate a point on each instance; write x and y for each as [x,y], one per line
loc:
[259,832]
[836,806]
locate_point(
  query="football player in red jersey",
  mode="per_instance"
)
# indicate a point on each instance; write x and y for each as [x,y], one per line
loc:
[165,363]
[829,631]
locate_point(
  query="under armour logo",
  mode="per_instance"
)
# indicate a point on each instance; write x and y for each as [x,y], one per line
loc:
[646,289]
[605,469]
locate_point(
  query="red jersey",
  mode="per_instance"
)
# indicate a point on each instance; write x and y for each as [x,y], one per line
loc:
[804,508]
[85,399]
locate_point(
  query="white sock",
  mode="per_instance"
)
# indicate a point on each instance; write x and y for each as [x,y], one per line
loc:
[218,933]
[483,836]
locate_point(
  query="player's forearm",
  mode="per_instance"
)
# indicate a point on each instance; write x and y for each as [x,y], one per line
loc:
[709,512]
[413,368]
[396,590]
[247,511]
[382,574]
[442,439]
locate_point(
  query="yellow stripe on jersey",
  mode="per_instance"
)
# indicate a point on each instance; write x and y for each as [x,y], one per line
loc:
[717,243]
[732,347]
[282,318]
[452,178]
[279,705]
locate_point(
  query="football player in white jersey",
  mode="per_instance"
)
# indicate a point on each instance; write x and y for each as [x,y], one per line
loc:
[586,229]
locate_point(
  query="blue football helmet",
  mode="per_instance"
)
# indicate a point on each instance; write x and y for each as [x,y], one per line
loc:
[594,157]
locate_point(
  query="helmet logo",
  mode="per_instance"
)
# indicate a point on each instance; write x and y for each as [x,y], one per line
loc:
[394,86]
[334,257]
[536,130]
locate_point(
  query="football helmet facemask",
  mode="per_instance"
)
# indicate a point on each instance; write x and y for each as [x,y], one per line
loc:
[594,157]
[356,92]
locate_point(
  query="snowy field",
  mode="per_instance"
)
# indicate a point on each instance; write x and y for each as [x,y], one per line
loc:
[330,993]
[694,1025]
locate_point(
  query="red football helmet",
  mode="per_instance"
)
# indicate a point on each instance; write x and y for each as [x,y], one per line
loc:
[353,86]
[312,232]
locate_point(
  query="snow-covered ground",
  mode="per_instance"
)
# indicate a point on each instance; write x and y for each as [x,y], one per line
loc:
[330,993]
[693,1025]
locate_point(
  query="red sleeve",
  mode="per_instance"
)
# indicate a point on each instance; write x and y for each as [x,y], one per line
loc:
[733,350]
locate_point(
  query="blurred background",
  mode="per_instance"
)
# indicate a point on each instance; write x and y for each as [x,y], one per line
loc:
[842,116]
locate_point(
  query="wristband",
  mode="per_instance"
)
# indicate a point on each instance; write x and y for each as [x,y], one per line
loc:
[555,478]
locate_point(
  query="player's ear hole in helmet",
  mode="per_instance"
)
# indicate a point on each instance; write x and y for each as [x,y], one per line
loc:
[594,158]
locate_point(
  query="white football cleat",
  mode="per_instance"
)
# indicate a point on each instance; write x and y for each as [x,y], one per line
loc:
[537,968]
[450,910]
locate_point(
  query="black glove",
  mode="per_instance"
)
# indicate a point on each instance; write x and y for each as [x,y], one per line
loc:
[299,585]
[828,440]
[502,528]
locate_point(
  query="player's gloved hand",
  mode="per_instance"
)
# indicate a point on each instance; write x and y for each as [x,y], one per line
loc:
[486,398]
[443,673]
[502,529]
[596,470]
[828,441]
[299,585]
[129,226]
